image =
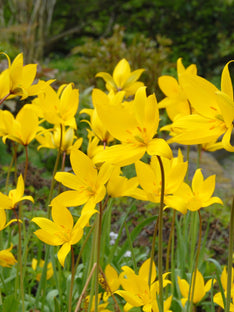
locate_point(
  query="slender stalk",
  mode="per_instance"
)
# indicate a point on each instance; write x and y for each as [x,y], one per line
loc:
[85,287]
[108,289]
[20,263]
[99,224]
[26,162]
[170,247]
[230,252]
[152,251]
[193,282]
[4,98]
[72,278]
[160,234]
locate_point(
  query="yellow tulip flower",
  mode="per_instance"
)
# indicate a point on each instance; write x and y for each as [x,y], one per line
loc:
[102,306]
[218,297]
[87,184]
[149,176]
[214,115]
[176,102]
[51,139]
[23,128]
[58,107]
[15,196]
[134,126]
[39,267]
[3,223]
[6,122]
[61,231]
[137,292]
[200,195]
[200,288]
[18,79]
[6,258]
[119,185]
[123,78]
[97,127]
[110,281]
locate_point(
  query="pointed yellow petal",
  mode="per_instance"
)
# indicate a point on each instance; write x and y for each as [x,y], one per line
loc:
[62,216]
[5,202]
[197,181]
[71,198]
[201,94]
[169,86]
[63,252]
[120,154]
[48,238]
[69,180]
[184,287]
[83,167]
[146,177]
[121,73]
[159,147]
[144,270]
[108,79]
[226,82]
[2,219]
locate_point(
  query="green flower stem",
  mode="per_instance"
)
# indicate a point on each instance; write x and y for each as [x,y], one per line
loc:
[13,160]
[26,162]
[152,251]
[99,230]
[160,234]
[72,278]
[192,238]
[193,282]
[170,249]
[20,265]
[85,287]
[230,252]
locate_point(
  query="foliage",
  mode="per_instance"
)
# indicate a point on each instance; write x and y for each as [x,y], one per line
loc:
[85,240]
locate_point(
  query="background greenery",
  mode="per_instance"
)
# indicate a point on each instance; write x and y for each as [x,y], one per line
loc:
[151,34]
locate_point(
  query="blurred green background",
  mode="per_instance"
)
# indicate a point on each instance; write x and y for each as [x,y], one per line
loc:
[78,38]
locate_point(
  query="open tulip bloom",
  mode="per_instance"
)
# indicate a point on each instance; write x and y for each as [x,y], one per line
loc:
[134,126]
[61,231]
[214,114]
[15,196]
[87,183]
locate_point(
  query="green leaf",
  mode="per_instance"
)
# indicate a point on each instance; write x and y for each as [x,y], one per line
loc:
[10,304]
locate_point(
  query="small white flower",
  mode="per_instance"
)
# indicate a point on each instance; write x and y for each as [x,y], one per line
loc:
[128,254]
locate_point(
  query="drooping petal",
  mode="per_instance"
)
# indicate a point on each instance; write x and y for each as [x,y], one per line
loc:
[48,238]
[63,252]
[132,299]
[120,154]
[159,147]
[71,198]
